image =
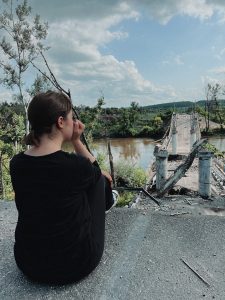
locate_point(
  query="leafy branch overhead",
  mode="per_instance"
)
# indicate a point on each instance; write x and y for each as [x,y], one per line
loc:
[21,42]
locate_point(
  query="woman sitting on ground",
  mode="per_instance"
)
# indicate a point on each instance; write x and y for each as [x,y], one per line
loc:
[61,197]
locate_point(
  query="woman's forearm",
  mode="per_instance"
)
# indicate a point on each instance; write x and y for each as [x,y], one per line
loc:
[82,150]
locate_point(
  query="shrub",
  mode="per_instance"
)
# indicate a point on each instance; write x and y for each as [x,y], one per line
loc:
[213,149]
[125,198]
[8,193]
[102,161]
[129,174]
[146,131]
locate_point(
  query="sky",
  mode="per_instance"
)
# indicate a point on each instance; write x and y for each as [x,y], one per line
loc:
[147,51]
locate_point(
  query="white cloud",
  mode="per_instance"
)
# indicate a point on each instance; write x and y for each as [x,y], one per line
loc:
[78,64]
[88,10]
[79,29]
[177,60]
[119,81]
[218,70]
[218,54]
[165,62]
[163,11]
[212,80]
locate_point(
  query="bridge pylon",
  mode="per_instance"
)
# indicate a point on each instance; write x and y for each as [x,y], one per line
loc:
[161,168]
[205,170]
[193,131]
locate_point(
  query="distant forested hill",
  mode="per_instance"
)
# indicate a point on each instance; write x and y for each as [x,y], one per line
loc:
[180,104]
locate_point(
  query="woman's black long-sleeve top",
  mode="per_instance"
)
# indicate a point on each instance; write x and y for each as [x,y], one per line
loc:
[53,233]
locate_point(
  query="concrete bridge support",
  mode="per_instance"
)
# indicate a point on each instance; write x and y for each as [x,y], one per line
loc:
[161,168]
[193,137]
[205,166]
[193,131]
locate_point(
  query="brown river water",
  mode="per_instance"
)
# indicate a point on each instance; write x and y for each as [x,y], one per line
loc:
[139,150]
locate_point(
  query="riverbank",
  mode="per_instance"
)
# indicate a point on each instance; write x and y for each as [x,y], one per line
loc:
[216,132]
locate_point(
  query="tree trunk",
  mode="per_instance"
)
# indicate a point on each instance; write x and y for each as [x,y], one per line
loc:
[1,179]
[27,124]
[16,146]
[208,120]
[219,114]
[206,116]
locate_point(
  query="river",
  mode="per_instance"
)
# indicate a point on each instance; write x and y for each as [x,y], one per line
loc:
[136,150]
[140,150]
[218,142]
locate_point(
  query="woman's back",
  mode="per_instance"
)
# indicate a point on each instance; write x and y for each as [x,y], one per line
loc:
[53,232]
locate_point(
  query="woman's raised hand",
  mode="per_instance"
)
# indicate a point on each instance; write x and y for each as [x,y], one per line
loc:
[78,129]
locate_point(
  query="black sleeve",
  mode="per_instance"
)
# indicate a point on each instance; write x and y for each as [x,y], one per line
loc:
[89,173]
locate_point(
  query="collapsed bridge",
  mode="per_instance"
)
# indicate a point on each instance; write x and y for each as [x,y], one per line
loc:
[182,160]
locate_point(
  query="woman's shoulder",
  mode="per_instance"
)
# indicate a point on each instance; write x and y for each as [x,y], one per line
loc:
[72,156]
[62,157]
[17,156]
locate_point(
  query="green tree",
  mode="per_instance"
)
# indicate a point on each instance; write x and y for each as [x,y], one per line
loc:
[21,43]
[212,104]
[124,122]
[91,118]
[157,121]
[127,120]
[134,111]
[12,129]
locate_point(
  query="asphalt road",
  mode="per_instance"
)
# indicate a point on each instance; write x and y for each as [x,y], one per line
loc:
[142,259]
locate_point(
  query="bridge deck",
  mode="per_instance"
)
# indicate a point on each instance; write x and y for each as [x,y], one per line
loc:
[190,180]
[183,134]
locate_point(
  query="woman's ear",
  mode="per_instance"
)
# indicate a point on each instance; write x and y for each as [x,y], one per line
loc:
[60,122]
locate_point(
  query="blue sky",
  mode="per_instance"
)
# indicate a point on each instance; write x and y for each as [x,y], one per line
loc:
[146,51]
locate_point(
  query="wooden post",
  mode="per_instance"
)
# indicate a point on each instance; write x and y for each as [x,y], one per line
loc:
[205,167]
[111,163]
[161,168]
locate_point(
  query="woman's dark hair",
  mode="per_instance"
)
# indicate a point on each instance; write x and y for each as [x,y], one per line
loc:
[44,111]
